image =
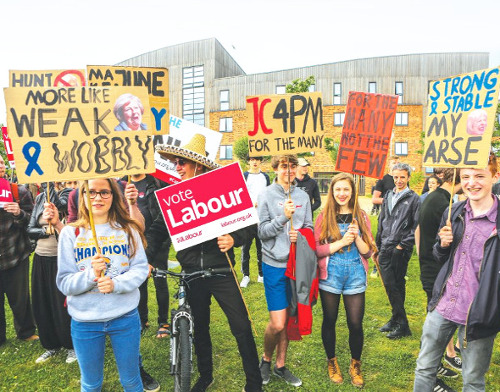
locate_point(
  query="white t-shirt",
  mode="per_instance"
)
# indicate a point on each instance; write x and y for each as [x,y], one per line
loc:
[256,183]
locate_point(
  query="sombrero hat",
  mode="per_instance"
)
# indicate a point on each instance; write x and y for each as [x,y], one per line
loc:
[194,150]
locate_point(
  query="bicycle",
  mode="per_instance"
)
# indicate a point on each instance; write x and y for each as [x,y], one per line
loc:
[181,326]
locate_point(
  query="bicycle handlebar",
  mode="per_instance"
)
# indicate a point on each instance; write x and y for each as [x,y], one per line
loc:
[161,273]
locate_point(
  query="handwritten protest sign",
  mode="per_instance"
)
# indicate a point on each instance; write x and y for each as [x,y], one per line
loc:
[155,79]
[50,78]
[5,192]
[366,134]
[8,147]
[460,119]
[196,211]
[69,133]
[181,132]
[284,124]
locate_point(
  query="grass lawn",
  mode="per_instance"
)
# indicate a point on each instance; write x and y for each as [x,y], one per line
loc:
[387,365]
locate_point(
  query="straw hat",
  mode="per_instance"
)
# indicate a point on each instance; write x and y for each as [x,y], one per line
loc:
[194,150]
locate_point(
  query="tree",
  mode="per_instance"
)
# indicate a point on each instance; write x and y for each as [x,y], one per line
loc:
[495,141]
[332,146]
[300,86]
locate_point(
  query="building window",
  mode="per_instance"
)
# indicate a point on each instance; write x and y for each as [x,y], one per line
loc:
[399,91]
[224,100]
[429,170]
[401,119]
[372,87]
[338,119]
[312,88]
[401,148]
[193,94]
[337,93]
[226,124]
[280,89]
[226,152]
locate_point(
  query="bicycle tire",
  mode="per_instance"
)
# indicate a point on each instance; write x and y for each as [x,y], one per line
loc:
[182,378]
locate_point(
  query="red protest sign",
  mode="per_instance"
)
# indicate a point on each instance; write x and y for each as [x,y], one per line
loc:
[206,206]
[366,134]
[8,146]
[5,192]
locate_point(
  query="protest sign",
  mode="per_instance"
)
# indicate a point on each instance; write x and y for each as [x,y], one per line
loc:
[5,192]
[181,132]
[70,133]
[284,124]
[51,78]
[461,119]
[206,206]
[8,147]
[155,79]
[366,134]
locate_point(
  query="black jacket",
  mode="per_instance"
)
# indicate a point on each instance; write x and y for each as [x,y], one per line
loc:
[483,319]
[398,227]
[310,186]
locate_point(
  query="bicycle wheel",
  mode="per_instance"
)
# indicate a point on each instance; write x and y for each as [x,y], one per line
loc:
[182,381]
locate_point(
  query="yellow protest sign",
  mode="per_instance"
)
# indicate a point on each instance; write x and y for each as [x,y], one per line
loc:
[155,79]
[284,123]
[461,119]
[49,78]
[74,132]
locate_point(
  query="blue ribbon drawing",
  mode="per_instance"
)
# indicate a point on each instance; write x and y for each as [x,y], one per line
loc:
[32,158]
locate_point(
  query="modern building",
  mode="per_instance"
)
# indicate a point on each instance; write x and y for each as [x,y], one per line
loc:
[208,87]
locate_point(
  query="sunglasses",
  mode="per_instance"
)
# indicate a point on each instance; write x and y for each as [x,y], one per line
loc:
[180,162]
[105,194]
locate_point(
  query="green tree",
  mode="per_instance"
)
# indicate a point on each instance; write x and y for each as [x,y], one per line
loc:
[332,146]
[300,86]
[495,141]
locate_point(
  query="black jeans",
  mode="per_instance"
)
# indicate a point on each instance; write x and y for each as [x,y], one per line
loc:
[245,254]
[14,282]
[226,293]
[393,267]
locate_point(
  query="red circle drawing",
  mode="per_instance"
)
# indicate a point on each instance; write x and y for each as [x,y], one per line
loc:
[59,79]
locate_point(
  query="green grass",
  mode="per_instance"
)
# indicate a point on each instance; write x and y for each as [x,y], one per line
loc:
[387,365]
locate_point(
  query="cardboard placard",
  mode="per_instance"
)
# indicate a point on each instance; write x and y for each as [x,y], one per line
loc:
[8,147]
[69,133]
[461,119]
[206,206]
[47,78]
[366,134]
[155,79]
[5,192]
[285,124]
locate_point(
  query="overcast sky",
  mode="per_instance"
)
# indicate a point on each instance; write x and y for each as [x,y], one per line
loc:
[260,35]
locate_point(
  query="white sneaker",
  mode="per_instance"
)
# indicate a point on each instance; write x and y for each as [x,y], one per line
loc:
[45,356]
[71,357]
[260,279]
[245,281]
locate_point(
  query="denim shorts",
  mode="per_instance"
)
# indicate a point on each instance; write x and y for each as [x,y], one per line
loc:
[346,275]
[277,287]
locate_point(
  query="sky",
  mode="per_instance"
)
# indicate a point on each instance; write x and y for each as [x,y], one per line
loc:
[261,35]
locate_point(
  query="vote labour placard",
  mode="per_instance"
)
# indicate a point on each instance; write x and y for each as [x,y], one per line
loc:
[206,206]
[49,78]
[8,146]
[5,192]
[284,124]
[461,119]
[366,134]
[63,133]
[155,79]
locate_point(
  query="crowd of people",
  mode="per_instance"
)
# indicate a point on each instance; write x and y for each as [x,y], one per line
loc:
[88,284]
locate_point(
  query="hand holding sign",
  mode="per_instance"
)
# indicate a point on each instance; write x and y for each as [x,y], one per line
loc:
[225,242]
[446,236]
[289,208]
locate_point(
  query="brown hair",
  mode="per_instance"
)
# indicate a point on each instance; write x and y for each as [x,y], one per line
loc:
[118,216]
[330,231]
[492,164]
[276,160]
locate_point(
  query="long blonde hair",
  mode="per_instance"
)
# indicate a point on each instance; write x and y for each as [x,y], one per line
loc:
[118,216]
[330,231]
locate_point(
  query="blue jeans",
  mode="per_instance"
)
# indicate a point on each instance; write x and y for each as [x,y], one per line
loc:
[89,342]
[436,334]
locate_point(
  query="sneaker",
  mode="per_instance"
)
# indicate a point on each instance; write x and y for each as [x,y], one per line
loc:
[445,372]
[260,279]
[355,373]
[265,371]
[388,326]
[334,371]
[148,383]
[45,356]
[71,356]
[202,384]
[245,281]
[442,387]
[454,362]
[374,273]
[400,331]
[287,375]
